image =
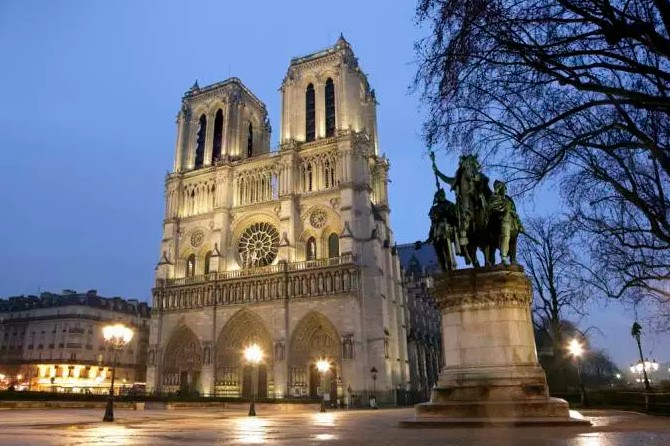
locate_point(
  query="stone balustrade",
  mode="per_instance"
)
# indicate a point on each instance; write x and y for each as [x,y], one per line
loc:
[308,279]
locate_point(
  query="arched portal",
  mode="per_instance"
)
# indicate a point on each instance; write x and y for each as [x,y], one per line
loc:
[314,338]
[233,376]
[182,362]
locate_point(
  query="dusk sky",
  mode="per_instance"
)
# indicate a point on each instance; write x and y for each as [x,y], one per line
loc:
[90,92]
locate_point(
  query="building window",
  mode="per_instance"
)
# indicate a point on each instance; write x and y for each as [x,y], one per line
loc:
[310,177]
[328,174]
[310,249]
[200,145]
[333,245]
[190,266]
[250,141]
[218,135]
[208,257]
[310,115]
[330,108]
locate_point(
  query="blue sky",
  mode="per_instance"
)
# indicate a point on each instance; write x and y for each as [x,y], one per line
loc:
[90,91]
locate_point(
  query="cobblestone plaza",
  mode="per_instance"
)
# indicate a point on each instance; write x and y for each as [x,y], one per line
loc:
[355,427]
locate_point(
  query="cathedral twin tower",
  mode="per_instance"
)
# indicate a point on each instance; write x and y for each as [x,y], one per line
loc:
[290,250]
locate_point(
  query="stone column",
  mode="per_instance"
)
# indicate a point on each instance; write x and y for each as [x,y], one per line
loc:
[227,129]
[320,108]
[241,131]
[181,134]
[209,140]
[191,144]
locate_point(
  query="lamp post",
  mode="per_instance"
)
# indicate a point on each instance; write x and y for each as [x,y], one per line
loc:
[373,398]
[576,350]
[117,336]
[636,332]
[644,367]
[253,354]
[322,366]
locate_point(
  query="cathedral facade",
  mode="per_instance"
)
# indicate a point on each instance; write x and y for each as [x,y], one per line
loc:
[289,249]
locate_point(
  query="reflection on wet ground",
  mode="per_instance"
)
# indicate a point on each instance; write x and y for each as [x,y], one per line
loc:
[194,427]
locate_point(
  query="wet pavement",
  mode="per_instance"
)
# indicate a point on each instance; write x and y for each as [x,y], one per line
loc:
[213,427]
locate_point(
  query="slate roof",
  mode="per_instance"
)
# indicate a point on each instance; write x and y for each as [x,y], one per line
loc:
[420,261]
[70,298]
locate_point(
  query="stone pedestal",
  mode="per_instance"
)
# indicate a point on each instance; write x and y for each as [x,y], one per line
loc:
[491,373]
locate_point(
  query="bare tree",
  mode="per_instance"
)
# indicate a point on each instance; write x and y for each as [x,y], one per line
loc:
[598,368]
[558,286]
[558,290]
[576,91]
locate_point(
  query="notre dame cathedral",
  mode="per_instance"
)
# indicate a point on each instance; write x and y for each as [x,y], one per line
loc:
[290,249]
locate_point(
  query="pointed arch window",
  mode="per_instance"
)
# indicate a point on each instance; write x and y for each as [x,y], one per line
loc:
[333,245]
[190,266]
[332,174]
[250,141]
[310,249]
[330,108]
[309,178]
[310,114]
[218,136]
[326,174]
[208,258]
[200,145]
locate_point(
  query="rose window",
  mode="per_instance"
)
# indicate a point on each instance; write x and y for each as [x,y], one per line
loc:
[318,218]
[258,245]
[196,238]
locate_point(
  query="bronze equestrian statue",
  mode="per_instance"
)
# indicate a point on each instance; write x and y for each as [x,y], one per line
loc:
[480,219]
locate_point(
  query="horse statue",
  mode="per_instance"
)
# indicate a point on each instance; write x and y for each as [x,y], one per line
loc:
[472,191]
[481,219]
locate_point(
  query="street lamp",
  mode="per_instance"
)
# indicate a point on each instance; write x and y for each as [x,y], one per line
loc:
[577,350]
[117,336]
[373,398]
[322,366]
[253,354]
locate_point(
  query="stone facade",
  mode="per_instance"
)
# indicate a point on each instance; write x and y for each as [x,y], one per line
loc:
[289,249]
[54,342]
[424,335]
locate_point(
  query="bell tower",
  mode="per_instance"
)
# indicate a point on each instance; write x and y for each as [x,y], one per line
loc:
[326,92]
[220,121]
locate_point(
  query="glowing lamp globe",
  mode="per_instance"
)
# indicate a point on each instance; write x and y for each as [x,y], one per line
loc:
[575,348]
[253,354]
[322,365]
[117,334]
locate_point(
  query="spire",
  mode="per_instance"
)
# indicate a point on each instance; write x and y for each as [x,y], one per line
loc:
[341,41]
[195,86]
